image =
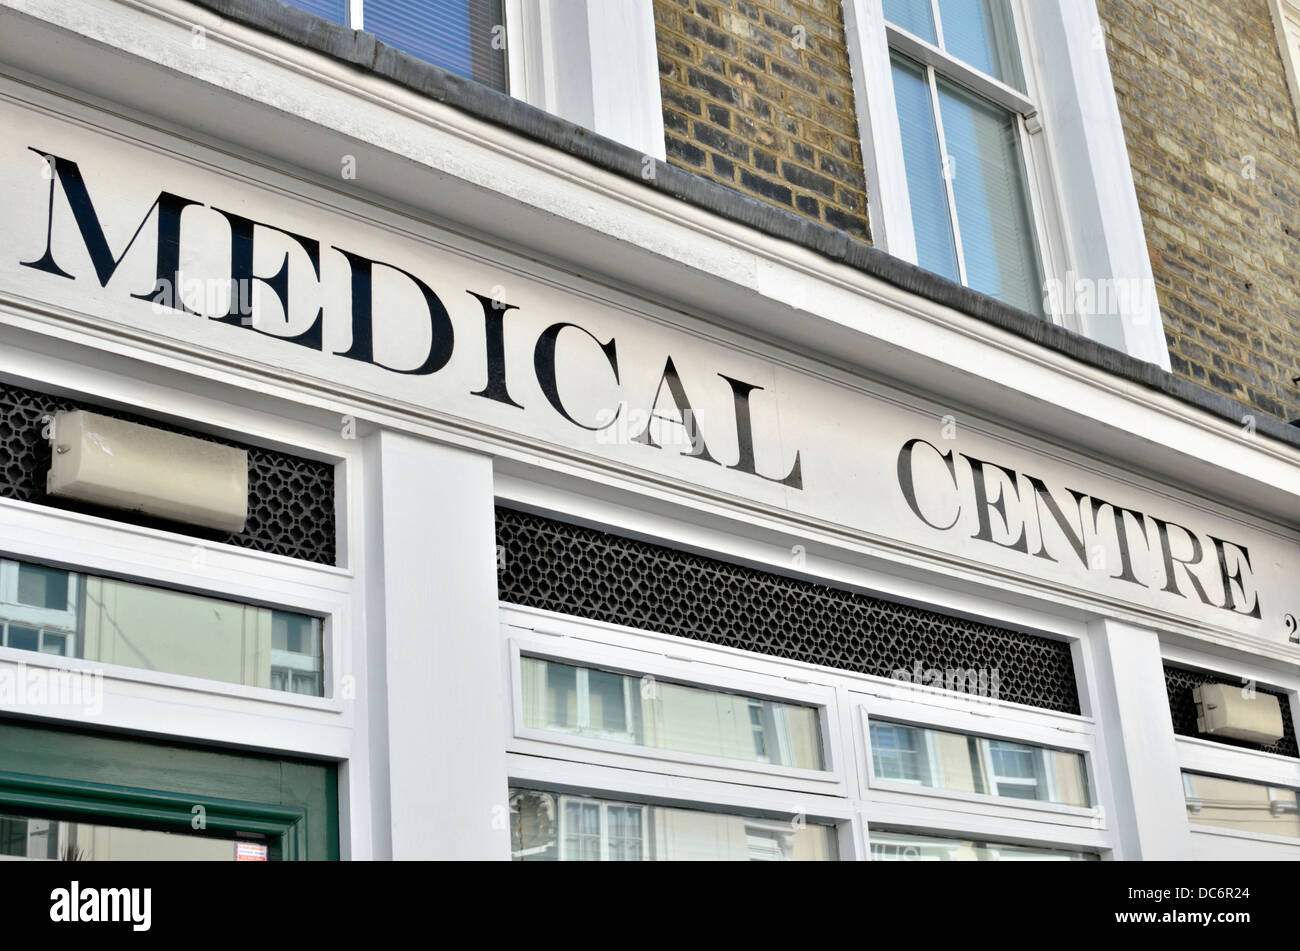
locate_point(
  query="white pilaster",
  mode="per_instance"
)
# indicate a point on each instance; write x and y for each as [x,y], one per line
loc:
[1137,742]
[432,573]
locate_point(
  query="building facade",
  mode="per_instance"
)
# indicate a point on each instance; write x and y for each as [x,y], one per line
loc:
[653,429]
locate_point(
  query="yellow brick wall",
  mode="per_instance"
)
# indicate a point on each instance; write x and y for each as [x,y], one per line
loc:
[1215,149]
[757,95]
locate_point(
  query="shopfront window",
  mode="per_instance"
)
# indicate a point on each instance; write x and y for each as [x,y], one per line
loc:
[905,846]
[547,826]
[37,839]
[975,764]
[645,711]
[1240,805]
[65,613]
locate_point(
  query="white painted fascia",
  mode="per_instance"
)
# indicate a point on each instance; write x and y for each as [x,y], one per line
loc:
[592,62]
[261,95]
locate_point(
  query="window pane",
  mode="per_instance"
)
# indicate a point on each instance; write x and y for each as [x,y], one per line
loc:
[983,34]
[1233,804]
[40,587]
[150,628]
[988,179]
[914,16]
[637,832]
[899,752]
[457,35]
[336,10]
[608,711]
[976,764]
[31,838]
[23,638]
[935,249]
[902,847]
[669,716]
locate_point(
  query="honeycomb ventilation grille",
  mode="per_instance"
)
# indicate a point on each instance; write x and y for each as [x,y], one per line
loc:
[591,574]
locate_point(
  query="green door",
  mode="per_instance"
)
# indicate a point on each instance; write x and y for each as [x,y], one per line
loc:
[71,794]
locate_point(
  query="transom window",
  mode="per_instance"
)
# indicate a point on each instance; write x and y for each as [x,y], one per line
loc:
[975,764]
[890,846]
[466,37]
[665,715]
[964,115]
[54,611]
[1241,805]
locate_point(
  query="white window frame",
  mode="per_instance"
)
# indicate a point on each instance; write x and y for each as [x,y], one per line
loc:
[1001,721]
[575,641]
[1080,181]
[1040,192]
[855,803]
[593,62]
[1207,757]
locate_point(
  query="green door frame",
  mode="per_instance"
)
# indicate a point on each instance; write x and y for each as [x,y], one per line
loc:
[57,772]
[70,800]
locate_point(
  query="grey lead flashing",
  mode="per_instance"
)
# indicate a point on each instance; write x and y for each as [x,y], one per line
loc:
[363,51]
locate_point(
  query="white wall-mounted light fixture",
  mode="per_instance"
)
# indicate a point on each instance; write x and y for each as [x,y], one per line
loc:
[1223,710]
[121,465]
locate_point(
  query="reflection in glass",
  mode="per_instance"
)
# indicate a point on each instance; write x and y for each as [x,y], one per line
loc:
[669,716]
[977,764]
[989,186]
[25,837]
[117,622]
[1234,804]
[923,165]
[903,847]
[983,34]
[914,16]
[547,827]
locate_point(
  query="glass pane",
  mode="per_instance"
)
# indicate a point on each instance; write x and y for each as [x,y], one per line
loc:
[1250,807]
[336,10]
[899,752]
[636,832]
[669,716]
[935,248]
[976,764]
[40,587]
[902,847]
[54,644]
[993,214]
[608,711]
[914,16]
[149,628]
[23,638]
[983,34]
[465,37]
[49,839]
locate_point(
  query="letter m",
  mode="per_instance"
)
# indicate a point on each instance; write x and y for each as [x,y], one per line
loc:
[169,207]
[116,902]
